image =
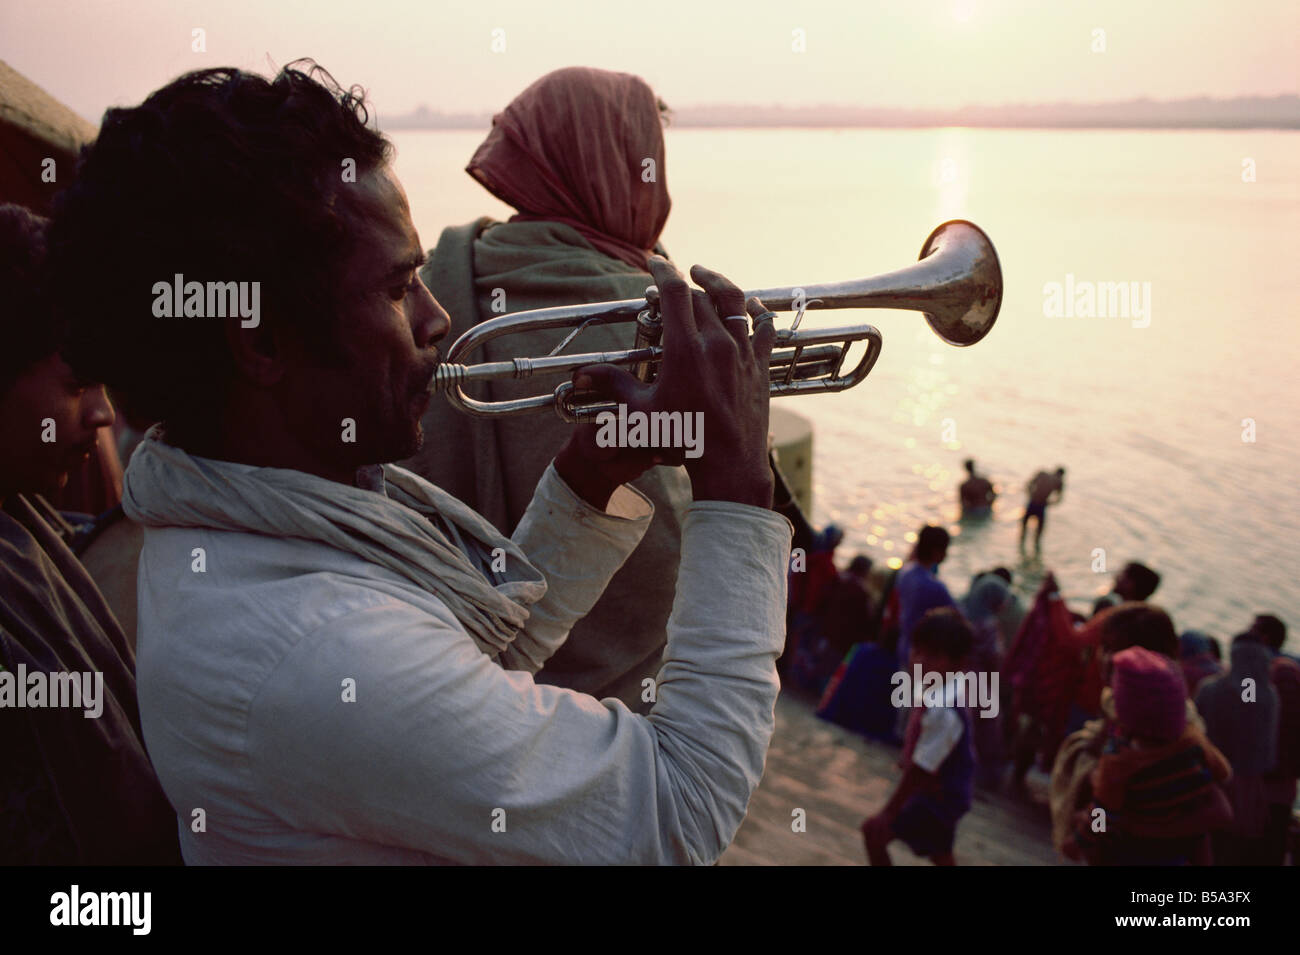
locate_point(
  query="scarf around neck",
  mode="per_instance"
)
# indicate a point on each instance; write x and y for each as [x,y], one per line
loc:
[165,487]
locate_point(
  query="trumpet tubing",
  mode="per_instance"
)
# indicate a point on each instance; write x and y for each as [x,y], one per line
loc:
[956,285]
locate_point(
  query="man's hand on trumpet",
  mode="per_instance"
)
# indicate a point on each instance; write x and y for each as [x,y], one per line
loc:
[710,365]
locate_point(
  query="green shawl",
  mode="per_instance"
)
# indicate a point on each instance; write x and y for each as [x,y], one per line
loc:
[494,465]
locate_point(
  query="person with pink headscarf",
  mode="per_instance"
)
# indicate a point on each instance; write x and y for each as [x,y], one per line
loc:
[579,155]
[1155,788]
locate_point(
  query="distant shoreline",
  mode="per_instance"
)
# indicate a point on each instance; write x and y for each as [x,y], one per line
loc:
[1256,112]
[484,127]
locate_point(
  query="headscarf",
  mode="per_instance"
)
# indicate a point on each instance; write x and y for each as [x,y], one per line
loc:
[572,148]
[988,594]
[1150,694]
[981,607]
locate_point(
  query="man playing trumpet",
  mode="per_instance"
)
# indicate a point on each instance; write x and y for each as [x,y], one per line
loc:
[336,658]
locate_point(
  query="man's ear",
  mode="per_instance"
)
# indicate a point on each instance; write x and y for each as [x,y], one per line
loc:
[258,353]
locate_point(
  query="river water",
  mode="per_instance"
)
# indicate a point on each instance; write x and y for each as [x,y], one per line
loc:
[1175,420]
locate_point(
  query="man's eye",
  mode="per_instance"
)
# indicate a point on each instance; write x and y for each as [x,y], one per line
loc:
[399,292]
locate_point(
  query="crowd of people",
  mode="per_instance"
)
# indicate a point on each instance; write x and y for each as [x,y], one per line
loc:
[1152,749]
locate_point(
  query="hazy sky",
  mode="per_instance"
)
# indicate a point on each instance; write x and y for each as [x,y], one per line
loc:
[909,53]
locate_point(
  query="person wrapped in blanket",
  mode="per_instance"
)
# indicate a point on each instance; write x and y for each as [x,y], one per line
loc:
[579,156]
[1154,795]
[938,753]
[1107,635]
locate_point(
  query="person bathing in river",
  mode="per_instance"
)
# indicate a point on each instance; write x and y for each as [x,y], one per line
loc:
[1043,489]
[976,492]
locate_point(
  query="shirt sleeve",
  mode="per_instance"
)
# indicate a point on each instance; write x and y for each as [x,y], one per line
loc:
[578,549]
[446,753]
[941,728]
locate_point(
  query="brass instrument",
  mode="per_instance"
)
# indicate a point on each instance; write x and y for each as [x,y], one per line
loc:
[956,284]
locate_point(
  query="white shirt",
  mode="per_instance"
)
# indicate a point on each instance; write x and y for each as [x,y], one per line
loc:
[444,755]
[941,730]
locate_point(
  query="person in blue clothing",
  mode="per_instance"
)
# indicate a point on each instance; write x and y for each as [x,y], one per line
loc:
[918,586]
[938,754]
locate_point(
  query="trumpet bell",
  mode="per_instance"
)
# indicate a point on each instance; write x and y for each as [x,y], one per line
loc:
[965,305]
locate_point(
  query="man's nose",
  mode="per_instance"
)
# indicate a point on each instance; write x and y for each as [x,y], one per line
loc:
[97,410]
[431,321]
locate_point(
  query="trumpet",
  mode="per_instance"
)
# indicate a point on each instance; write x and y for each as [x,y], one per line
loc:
[956,284]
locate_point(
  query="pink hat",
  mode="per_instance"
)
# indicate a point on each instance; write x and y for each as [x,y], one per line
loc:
[1150,694]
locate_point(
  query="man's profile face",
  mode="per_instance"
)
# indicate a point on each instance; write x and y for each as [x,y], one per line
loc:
[388,329]
[49,421]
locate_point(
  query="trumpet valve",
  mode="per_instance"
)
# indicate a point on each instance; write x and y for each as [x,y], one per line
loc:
[649,332]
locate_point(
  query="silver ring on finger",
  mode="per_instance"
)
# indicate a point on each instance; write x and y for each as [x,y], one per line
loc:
[768,316]
[733,318]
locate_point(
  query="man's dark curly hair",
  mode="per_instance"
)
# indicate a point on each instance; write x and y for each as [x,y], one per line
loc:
[221,175]
[28,332]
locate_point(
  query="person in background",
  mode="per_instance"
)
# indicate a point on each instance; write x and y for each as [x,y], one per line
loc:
[810,588]
[982,607]
[1240,710]
[844,619]
[1154,783]
[1280,783]
[1043,489]
[73,790]
[1271,631]
[1042,671]
[1198,657]
[919,588]
[938,760]
[1104,636]
[1006,619]
[976,493]
[95,486]
[820,578]
[579,155]
[1134,582]
[850,611]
